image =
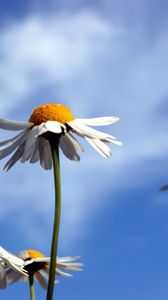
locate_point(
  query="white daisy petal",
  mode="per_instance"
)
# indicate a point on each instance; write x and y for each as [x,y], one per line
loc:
[61,273]
[22,254]
[11,139]
[67,263]
[76,144]
[16,266]
[67,259]
[45,272]
[86,131]
[30,144]
[40,129]
[63,263]
[39,277]
[35,157]
[45,153]
[13,276]
[68,148]
[34,151]
[24,278]
[42,259]
[14,262]
[5,152]
[3,278]
[13,125]
[101,121]
[60,260]
[100,147]
[70,266]
[52,126]
[118,143]
[17,155]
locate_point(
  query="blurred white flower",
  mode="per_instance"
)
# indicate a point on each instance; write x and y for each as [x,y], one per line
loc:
[32,143]
[11,268]
[164,188]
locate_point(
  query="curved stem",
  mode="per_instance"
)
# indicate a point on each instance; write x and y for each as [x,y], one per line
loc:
[31,284]
[56,166]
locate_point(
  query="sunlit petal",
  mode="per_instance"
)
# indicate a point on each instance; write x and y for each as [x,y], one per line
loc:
[100,147]
[54,127]
[86,131]
[101,121]
[14,262]
[61,273]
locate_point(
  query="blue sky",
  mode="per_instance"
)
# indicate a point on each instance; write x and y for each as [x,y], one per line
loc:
[98,58]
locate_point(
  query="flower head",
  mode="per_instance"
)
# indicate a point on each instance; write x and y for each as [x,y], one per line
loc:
[51,112]
[32,143]
[27,262]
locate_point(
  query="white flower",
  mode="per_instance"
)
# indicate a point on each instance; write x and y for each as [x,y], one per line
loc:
[14,268]
[11,268]
[37,263]
[32,145]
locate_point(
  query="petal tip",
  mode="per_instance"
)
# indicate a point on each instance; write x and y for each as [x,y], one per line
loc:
[76,158]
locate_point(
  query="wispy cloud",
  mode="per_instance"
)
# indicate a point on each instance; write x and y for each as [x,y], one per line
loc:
[38,51]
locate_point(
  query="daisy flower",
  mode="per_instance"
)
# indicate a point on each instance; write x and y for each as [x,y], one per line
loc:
[27,262]
[31,144]
[11,268]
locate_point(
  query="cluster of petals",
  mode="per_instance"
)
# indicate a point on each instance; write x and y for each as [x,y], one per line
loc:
[31,145]
[17,267]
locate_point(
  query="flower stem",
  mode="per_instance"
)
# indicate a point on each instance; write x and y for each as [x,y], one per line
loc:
[31,284]
[56,166]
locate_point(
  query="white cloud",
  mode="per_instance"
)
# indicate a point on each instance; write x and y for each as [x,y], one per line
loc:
[39,50]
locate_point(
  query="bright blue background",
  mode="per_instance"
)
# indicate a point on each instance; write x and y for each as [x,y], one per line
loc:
[99,58]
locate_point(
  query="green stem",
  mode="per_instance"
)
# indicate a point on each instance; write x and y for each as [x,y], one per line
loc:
[56,166]
[31,284]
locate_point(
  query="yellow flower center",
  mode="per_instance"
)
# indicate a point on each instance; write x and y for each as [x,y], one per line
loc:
[51,112]
[35,254]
